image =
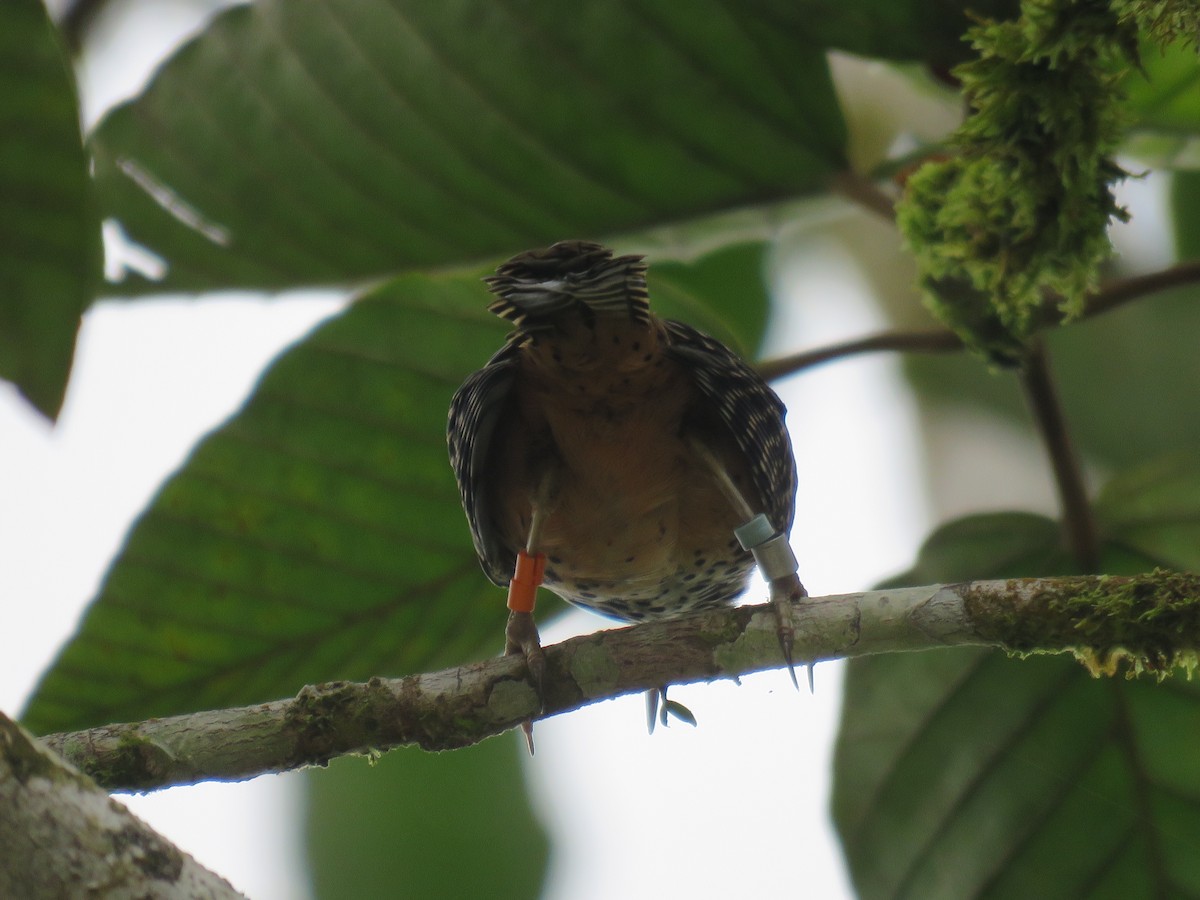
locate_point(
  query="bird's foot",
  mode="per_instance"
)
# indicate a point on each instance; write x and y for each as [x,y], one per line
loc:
[521,639]
[659,709]
[784,592]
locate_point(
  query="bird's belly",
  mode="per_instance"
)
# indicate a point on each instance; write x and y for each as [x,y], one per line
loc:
[644,539]
[636,526]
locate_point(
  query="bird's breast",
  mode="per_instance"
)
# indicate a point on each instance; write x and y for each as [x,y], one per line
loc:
[635,525]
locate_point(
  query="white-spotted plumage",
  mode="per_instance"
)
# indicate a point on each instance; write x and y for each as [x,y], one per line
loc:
[605,401]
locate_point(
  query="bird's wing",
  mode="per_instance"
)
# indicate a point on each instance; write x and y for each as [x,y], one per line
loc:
[749,409]
[474,412]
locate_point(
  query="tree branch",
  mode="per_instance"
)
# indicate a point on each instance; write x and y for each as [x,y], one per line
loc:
[934,341]
[1122,291]
[458,707]
[865,192]
[1079,525]
[61,836]
[943,340]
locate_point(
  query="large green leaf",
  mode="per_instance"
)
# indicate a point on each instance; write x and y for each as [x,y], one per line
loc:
[301,143]
[965,773]
[723,293]
[425,825]
[49,226]
[318,534]
[1151,516]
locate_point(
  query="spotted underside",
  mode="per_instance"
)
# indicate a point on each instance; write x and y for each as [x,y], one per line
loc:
[607,419]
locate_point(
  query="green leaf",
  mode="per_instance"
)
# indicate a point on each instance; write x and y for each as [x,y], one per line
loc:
[966,773]
[425,825]
[977,775]
[993,545]
[1152,514]
[301,143]
[318,534]
[49,227]
[723,294]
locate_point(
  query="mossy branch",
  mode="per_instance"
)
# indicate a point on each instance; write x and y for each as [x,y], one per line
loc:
[1152,621]
[1020,212]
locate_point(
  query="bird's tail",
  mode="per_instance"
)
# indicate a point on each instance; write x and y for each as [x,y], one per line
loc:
[536,287]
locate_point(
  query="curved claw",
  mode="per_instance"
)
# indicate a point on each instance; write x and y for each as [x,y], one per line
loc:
[659,708]
[652,700]
[527,730]
[521,638]
[784,592]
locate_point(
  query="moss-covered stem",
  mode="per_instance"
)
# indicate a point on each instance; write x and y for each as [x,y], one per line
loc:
[1079,524]
[1153,621]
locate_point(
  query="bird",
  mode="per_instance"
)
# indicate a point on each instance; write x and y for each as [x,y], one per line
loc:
[611,454]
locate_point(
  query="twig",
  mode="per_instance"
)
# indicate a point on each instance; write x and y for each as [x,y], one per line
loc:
[865,193]
[462,706]
[943,341]
[78,18]
[1079,524]
[1122,291]
[1108,298]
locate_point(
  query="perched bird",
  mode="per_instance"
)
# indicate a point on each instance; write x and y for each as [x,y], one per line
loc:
[613,453]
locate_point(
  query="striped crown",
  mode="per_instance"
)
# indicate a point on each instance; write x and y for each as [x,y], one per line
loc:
[534,287]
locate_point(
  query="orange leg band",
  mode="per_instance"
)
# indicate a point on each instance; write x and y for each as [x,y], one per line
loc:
[528,575]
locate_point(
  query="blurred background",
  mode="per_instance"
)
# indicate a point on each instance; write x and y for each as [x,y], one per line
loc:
[734,807]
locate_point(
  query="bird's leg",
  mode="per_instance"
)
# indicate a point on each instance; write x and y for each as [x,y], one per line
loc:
[773,555]
[659,708]
[778,566]
[521,634]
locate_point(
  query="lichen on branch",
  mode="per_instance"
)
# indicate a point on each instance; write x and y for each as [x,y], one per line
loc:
[1135,625]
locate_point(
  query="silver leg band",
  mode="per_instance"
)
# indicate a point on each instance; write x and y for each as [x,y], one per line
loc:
[771,550]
